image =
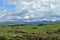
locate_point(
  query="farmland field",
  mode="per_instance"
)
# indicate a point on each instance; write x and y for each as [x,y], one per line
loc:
[30,32]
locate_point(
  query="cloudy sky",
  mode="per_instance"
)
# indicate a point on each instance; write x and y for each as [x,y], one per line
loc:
[29,10]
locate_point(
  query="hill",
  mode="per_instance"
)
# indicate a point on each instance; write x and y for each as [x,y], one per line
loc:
[30,32]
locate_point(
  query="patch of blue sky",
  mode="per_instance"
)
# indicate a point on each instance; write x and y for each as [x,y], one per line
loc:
[1,2]
[6,6]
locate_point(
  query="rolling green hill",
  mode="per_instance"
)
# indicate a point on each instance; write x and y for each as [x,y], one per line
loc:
[30,32]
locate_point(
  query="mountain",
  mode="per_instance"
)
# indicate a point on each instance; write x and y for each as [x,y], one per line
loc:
[23,22]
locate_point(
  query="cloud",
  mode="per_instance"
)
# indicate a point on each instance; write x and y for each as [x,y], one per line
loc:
[30,10]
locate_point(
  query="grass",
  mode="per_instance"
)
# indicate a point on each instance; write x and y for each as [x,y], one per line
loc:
[29,29]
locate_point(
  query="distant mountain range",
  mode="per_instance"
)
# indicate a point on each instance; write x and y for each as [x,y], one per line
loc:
[22,22]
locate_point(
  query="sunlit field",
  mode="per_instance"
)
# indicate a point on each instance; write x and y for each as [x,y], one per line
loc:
[30,32]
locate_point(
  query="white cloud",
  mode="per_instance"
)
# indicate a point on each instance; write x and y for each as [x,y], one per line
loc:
[53,6]
[32,9]
[26,17]
[53,20]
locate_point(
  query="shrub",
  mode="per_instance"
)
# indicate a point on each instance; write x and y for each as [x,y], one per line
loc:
[49,32]
[58,31]
[42,24]
[3,38]
[34,28]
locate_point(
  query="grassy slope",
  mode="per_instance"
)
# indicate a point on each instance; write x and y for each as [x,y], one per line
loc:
[28,28]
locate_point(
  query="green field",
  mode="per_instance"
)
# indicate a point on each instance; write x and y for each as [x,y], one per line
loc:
[30,32]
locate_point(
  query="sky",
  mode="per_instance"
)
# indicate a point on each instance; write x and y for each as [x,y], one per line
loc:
[29,10]
[5,5]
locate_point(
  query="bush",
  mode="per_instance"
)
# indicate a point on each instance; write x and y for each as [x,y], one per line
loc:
[58,31]
[3,38]
[22,24]
[34,28]
[42,24]
[49,32]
